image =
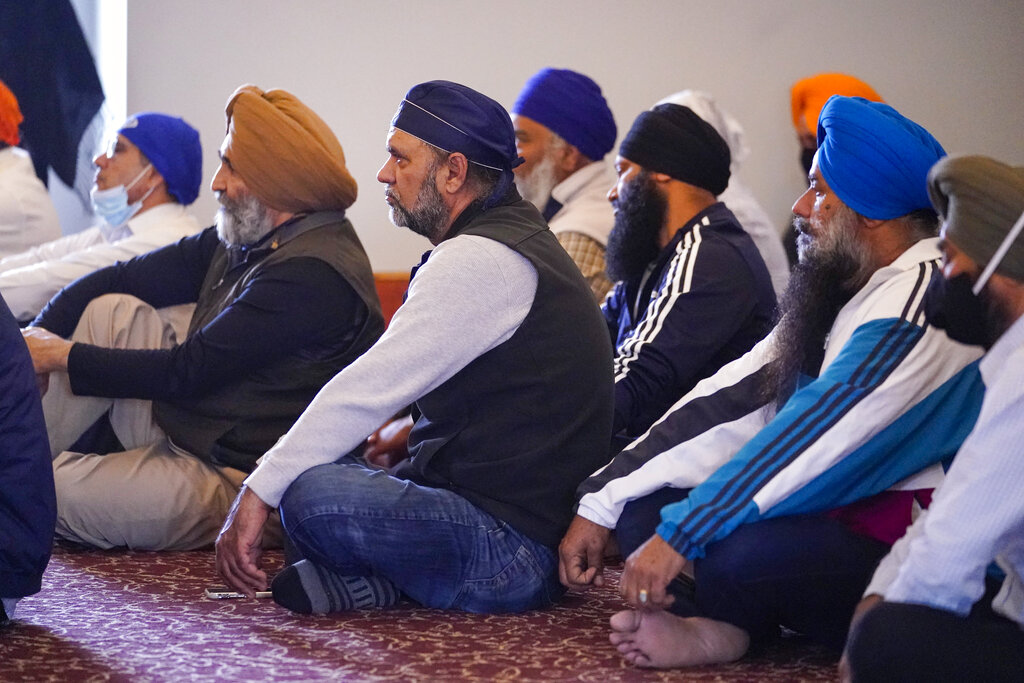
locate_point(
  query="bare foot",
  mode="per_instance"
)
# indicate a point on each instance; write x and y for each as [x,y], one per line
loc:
[661,640]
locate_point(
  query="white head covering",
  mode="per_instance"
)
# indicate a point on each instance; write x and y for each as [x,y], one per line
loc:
[737,196]
[704,106]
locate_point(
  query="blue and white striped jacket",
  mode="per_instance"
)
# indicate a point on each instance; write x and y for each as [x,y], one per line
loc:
[894,398]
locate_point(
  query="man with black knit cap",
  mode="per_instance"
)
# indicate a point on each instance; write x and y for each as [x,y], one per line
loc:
[504,356]
[935,608]
[693,291]
[284,299]
[564,129]
[766,496]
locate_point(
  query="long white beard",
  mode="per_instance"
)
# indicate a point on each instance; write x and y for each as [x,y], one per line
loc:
[242,222]
[536,187]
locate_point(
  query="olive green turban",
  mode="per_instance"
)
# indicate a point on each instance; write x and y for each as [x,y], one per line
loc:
[980,199]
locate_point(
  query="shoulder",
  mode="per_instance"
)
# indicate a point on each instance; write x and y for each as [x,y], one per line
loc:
[164,223]
[474,258]
[715,248]
[892,293]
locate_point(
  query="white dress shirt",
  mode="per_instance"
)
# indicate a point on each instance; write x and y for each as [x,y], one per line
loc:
[30,279]
[27,216]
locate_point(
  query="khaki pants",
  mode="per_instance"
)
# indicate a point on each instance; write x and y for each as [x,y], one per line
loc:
[113,321]
[153,496]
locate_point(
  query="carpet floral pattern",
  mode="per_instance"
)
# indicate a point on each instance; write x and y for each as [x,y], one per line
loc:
[133,616]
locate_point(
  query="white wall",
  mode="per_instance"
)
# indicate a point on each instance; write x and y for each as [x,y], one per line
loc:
[955,66]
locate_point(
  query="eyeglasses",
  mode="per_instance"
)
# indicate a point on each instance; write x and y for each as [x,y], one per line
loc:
[114,146]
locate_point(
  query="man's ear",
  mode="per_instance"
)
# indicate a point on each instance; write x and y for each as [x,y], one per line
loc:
[661,177]
[154,183]
[871,223]
[569,160]
[456,170]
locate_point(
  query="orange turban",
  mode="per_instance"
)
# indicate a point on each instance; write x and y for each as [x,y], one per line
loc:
[285,153]
[809,95]
[10,116]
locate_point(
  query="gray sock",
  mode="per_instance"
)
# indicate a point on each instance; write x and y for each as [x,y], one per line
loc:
[325,591]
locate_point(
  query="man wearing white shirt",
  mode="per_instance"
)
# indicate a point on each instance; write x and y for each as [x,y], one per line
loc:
[931,611]
[27,216]
[144,181]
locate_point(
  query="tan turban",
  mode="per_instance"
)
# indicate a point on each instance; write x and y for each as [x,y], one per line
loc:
[285,153]
[980,199]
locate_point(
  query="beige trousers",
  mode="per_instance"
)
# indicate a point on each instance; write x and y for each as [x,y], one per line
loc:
[153,496]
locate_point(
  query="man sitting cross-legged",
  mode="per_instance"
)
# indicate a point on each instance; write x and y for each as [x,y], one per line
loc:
[768,493]
[284,299]
[503,353]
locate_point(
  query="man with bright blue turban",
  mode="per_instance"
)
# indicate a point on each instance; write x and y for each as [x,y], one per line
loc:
[150,172]
[766,496]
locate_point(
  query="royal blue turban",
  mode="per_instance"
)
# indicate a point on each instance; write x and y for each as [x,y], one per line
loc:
[570,105]
[875,159]
[455,118]
[172,146]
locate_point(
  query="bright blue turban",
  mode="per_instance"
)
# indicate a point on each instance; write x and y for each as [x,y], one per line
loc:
[875,159]
[172,146]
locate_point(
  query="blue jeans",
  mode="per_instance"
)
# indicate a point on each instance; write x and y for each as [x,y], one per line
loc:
[434,545]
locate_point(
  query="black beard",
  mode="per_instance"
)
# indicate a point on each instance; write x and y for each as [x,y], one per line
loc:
[818,288]
[633,242]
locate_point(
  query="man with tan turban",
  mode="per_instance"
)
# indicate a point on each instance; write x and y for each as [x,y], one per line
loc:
[284,300]
[27,216]
[933,611]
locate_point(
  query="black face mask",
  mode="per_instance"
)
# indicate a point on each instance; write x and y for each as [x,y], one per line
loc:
[951,305]
[806,157]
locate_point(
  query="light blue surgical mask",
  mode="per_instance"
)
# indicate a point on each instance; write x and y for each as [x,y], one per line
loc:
[112,204]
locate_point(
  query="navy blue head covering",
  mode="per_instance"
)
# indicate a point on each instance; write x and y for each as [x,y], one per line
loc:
[455,118]
[875,159]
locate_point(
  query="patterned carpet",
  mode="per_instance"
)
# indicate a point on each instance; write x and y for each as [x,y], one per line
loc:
[130,616]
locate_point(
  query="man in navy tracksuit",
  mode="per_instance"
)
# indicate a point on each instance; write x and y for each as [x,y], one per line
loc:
[693,292]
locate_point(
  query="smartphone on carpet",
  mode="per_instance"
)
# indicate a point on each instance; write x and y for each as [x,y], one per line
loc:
[224,593]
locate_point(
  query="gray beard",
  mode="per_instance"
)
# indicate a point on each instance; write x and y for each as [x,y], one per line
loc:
[428,216]
[536,188]
[242,222]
